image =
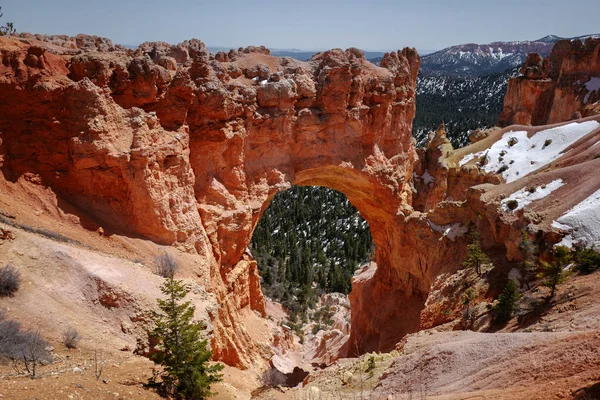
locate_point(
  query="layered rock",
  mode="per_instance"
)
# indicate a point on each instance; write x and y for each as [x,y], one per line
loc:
[187,149]
[563,86]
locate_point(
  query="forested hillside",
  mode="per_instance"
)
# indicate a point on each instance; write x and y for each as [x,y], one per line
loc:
[309,234]
[462,104]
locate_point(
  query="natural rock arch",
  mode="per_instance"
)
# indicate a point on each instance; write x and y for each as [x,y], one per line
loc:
[187,149]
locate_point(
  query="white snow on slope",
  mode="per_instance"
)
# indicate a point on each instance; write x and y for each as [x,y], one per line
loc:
[468,158]
[524,197]
[592,85]
[426,177]
[524,154]
[451,231]
[583,222]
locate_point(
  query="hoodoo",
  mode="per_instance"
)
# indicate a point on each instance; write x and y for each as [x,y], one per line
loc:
[563,86]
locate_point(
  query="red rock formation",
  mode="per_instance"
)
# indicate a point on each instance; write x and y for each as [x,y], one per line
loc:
[63,44]
[187,149]
[227,135]
[558,88]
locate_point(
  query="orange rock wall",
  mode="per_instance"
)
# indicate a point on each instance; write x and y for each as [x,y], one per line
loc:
[187,149]
[553,90]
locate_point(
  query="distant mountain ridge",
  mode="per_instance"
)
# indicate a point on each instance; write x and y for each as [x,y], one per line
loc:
[470,59]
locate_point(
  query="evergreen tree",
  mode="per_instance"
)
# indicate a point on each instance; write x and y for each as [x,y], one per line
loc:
[468,297]
[553,272]
[181,351]
[507,303]
[587,259]
[476,257]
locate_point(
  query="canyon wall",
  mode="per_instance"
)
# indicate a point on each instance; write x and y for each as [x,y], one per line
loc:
[186,148]
[563,86]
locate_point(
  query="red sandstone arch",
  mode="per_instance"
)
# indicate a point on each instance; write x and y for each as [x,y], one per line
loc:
[213,139]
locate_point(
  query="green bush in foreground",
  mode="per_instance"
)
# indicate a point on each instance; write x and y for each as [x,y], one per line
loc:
[183,354]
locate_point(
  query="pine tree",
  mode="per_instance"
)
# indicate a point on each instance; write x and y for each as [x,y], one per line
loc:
[553,272]
[181,351]
[587,259]
[507,303]
[468,297]
[476,257]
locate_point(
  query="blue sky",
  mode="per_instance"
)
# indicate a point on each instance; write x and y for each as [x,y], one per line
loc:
[369,25]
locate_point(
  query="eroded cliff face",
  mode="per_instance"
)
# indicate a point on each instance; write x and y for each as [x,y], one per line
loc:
[187,149]
[563,86]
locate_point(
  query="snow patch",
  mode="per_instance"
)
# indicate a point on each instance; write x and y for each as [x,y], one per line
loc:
[592,85]
[582,222]
[524,197]
[451,231]
[426,177]
[517,155]
[468,158]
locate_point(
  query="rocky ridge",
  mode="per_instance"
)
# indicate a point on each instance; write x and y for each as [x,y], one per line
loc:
[470,59]
[564,85]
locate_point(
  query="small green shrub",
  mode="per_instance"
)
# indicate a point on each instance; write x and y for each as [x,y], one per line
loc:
[507,303]
[483,160]
[371,366]
[316,328]
[502,169]
[547,143]
[8,29]
[596,156]
[512,141]
[531,189]
[587,260]
[512,204]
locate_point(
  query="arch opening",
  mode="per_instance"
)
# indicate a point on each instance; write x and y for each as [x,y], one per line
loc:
[389,291]
[309,242]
